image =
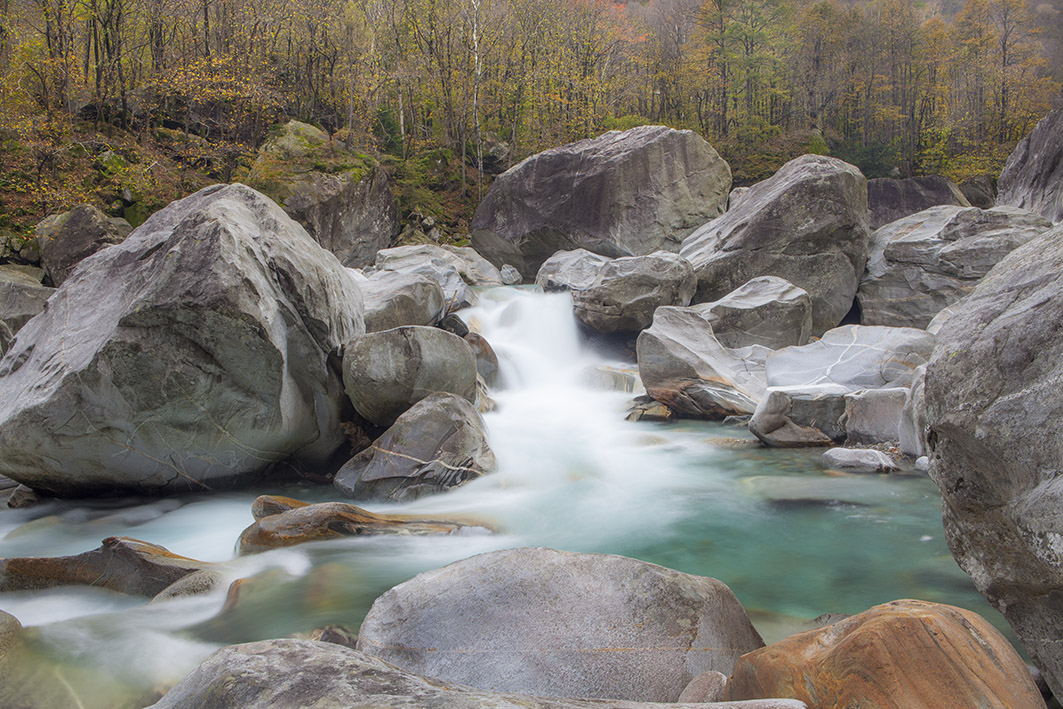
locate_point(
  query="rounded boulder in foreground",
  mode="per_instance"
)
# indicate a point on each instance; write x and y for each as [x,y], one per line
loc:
[560,624]
[385,373]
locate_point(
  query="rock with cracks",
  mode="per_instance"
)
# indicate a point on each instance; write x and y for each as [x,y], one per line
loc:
[627,291]
[1032,177]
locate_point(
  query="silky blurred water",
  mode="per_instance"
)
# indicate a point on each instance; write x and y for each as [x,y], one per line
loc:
[573,474]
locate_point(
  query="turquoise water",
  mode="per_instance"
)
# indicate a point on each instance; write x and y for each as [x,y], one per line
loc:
[790,539]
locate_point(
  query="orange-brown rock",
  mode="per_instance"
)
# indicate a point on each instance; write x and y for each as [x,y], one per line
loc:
[899,655]
[120,564]
[330,520]
[266,505]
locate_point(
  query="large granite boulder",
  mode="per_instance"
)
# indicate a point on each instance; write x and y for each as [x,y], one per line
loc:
[889,199]
[569,270]
[438,444]
[922,263]
[397,298]
[767,311]
[1032,177]
[897,655]
[342,198]
[21,297]
[683,365]
[120,564]
[385,373]
[850,386]
[560,624]
[474,268]
[995,412]
[807,223]
[302,522]
[201,350]
[65,239]
[310,673]
[624,193]
[627,291]
[434,262]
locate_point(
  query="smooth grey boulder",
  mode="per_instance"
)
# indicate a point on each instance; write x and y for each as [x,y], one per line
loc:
[857,460]
[310,673]
[874,415]
[627,291]
[396,298]
[569,270]
[799,417]
[560,624]
[683,365]
[201,350]
[807,223]
[1032,177]
[432,262]
[927,261]
[889,199]
[995,412]
[624,193]
[438,444]
[341,198]
[385,373]
[21,297]
[854,357]
[510,275]
[913,428]
[474,268]
[65,239]
[767,311]
[980,190]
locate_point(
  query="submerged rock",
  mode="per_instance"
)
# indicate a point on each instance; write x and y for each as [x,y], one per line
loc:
[560,624]
[385,373]
[684,366]
[205,351]
[858,460]
[120,564]
[890,199]
[439,443]
[926,262]
[308,673]
[995,412]
[807,223]
[1032,177]
[627,291]
[65,239]
[621,194]
[332,520]
[897,655]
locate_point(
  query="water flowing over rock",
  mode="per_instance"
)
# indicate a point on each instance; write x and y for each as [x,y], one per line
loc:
[894,656]
[807,223]
[120,564]
[395,299]
[440,443]
[767,311]
[305,673]
[303,522]
[1033,175]
[624,193]
[889,199]
[21,297]
[925,262]
[385,373]
[857,460]
[570,270]
[433,262]
[560,624]
[201,350]
[995,411]
[348,207]
[65,239]
[684,366]
[627,291]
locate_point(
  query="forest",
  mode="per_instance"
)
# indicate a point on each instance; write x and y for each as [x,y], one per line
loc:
[183,91]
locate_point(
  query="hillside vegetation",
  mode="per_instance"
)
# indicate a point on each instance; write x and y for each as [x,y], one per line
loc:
[131,103]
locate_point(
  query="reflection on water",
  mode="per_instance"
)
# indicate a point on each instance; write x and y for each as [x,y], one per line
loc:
[573,475]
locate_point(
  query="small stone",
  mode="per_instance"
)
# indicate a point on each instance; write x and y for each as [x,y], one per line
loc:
[857,460]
